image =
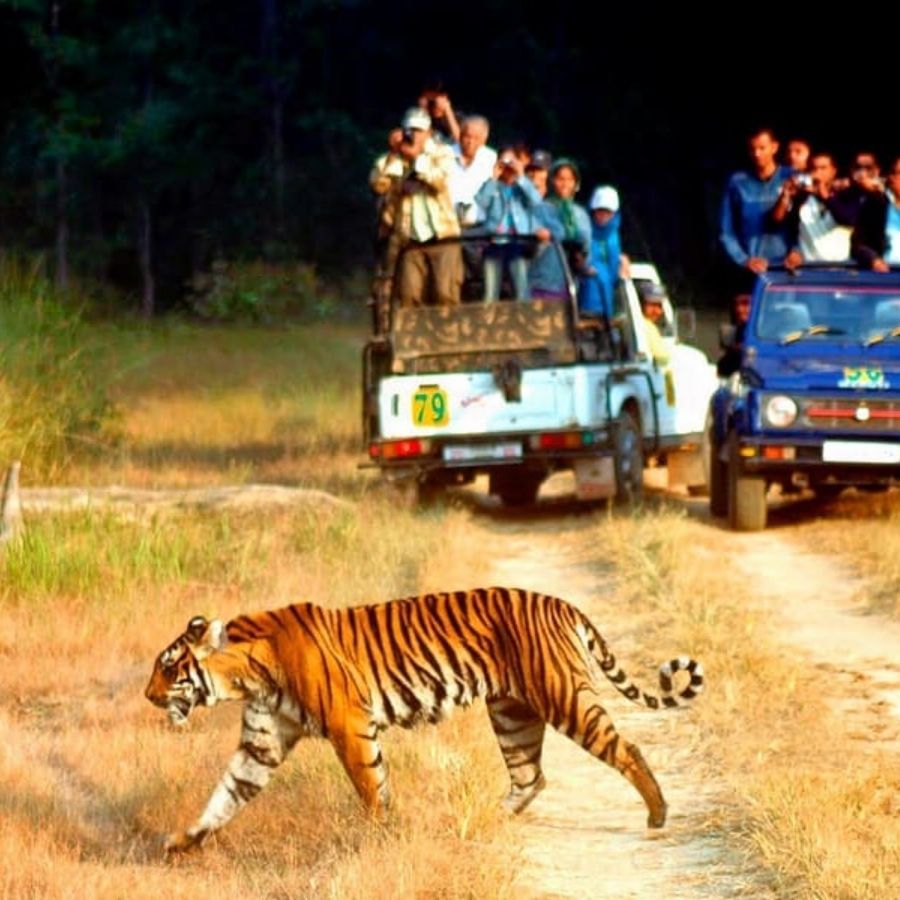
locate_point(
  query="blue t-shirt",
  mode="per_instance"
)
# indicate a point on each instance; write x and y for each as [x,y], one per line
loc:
[745,225]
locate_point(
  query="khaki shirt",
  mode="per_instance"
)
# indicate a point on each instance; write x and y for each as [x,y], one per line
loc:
[421,215]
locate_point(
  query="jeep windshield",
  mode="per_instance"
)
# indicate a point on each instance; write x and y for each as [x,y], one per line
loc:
[791,313]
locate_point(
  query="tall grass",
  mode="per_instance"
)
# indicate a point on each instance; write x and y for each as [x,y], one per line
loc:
[52,405]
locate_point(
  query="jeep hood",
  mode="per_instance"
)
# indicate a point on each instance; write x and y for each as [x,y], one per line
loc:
[868,369]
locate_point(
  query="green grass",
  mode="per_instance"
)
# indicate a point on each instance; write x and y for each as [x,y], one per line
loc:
[53,406]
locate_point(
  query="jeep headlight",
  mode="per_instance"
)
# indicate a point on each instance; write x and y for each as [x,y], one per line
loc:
[780,411]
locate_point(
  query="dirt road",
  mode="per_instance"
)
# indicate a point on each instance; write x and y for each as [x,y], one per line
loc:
[585,835]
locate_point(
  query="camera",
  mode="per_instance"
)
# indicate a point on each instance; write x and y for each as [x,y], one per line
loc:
[408,136]
[508,160]
[803,180]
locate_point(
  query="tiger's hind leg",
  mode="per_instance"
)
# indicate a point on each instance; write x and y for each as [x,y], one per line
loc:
[593,729]
[520,733]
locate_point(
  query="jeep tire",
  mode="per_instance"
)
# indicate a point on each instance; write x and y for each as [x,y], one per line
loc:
[746,494]
[629,459]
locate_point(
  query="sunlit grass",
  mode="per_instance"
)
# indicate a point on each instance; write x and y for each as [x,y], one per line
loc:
[91,777]
[863,531]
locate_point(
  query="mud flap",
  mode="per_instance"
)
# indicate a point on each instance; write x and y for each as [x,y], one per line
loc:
[595,478]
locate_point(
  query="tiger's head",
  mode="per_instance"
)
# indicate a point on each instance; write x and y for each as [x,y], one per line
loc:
[180,681]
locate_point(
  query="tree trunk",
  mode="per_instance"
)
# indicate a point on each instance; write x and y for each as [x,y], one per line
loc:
[62,225]
[274,90]
[145,259]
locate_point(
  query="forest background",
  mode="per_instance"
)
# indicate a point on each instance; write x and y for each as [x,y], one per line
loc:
[146,142]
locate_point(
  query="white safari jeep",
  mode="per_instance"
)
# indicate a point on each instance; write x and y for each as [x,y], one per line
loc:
[521,387]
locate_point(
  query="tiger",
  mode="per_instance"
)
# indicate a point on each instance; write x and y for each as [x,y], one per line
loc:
[347,674]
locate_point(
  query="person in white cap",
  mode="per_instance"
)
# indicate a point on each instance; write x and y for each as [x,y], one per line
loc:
[413,178]
[597,293]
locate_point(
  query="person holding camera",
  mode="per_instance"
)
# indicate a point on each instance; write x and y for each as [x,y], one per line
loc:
[508,201]
[821,218]
[413,178]
[473,165]
[876,239]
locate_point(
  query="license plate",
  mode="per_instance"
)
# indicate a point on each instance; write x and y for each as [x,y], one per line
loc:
[468,452]
[861,452]
[429,407]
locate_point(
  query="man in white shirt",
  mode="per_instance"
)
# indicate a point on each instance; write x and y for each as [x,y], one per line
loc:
[473,165]
[822,217]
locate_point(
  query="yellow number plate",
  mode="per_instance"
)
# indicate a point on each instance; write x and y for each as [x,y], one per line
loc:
[430,407]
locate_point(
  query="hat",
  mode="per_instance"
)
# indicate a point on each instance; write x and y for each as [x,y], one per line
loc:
[415,117]
[605,197]
[540,159]
[650,291]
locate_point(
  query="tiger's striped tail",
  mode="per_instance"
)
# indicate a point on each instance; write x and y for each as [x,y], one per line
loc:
[668,697]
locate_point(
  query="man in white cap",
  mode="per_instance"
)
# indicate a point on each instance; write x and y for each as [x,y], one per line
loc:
[413,178]
[597,294]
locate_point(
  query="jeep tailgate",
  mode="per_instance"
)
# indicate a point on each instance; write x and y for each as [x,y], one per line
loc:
[475,403]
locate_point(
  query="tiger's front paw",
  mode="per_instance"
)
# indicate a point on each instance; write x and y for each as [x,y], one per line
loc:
[183,841]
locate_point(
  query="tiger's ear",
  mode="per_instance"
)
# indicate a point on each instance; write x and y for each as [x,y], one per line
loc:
[206,637]
[196,628]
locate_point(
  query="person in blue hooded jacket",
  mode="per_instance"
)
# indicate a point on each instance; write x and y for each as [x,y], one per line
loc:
[596,294]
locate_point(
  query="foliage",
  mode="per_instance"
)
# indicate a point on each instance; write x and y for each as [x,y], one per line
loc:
[258,292]
[53,404]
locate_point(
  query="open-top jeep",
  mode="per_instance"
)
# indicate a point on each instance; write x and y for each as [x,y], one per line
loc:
[521,387]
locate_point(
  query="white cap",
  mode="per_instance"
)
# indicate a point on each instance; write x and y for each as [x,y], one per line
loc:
[605,197]
[415,117]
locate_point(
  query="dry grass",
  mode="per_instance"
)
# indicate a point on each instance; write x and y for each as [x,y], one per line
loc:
[215,405]
[864,532]
[816,800]
[91,776]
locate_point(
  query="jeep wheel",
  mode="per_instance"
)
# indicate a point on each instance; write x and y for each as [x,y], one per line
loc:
[746,495]
[718,479]
[828,492]
[629,459]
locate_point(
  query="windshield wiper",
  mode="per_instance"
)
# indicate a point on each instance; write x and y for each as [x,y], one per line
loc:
[883,336]
[813,330]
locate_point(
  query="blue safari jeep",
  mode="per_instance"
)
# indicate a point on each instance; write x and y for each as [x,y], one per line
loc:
[815,402]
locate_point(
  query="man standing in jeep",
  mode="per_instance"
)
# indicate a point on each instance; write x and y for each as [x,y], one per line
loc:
[414,178]
[748,233]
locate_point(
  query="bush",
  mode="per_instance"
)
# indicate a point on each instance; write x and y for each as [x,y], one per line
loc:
[259,292]
[53,404]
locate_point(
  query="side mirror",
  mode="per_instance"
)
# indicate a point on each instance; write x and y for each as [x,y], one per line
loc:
[727,334]
[686,322]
